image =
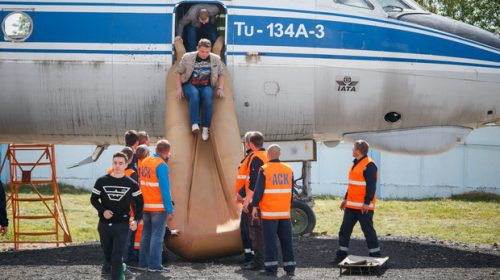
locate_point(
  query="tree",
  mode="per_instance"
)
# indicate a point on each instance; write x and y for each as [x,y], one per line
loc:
[23,25]
[481,13]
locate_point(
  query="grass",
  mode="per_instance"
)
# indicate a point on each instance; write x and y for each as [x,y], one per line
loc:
[469,218]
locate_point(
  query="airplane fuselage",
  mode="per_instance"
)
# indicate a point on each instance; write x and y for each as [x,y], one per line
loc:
[301,70]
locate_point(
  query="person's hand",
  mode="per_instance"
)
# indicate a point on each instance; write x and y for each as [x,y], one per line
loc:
[170,217]
[107,214]
[255,213]
[220,92]
[342,204]
[364,209]
[178,38]
[175,232]
[133,225]
[246,202]
[179,94]
[3,230]
[239,198]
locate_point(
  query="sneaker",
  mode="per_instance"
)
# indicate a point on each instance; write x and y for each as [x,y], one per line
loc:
[127,273]
[135,266]
[195,128]
[204,133]
[160,269]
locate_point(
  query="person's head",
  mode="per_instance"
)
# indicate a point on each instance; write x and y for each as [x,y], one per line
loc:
[129,153]
[163,148]
[131,138]
[203,48]
[142,152]
[256,141]
[246,139]
[143,137]
[119,163]
[360,149]
[203,16]
[273,152]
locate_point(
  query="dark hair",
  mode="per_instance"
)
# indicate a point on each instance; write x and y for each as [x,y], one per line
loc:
[162,146]
[143,137]
[362,146]
[120,154]
[257,139]
[205,43]
[131,138]
[128,152]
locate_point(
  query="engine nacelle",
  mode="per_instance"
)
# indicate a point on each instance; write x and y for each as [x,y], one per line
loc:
[415,141]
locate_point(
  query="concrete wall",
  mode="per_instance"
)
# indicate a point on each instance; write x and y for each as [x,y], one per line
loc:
[473,165]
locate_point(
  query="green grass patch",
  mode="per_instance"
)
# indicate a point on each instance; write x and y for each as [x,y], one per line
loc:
[48,189]
[444,219]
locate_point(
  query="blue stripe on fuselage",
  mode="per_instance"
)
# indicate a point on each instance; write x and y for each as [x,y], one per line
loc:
[345,35]
[100,28]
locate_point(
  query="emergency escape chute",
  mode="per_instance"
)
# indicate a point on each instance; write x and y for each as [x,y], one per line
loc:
[202,174]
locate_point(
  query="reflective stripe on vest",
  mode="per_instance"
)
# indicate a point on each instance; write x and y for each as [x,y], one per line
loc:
[262,155]
[243,172]
[150,185]
[276,201]
[356,188]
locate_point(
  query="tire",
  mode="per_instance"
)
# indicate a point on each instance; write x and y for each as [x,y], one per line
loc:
[302,217]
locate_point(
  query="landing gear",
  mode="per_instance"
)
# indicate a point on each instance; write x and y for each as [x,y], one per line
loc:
[303,218]
[302,215]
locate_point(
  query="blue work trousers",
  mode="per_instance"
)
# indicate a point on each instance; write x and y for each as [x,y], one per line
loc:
[282,229]
[153,232]
[351,217]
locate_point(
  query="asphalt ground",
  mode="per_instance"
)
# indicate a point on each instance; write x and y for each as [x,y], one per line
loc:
[410,258]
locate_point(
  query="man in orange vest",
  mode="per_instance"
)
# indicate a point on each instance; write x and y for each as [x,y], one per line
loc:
[359,201]
[158,207]
[242,180]
[273,196]
[259,158]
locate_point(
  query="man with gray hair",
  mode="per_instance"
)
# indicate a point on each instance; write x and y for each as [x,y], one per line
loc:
[200,23]
[359,202]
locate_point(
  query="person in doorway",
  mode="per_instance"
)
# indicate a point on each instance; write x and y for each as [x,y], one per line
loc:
[199,22]
[359,202]
[273,196]
[195,76]
[112,196]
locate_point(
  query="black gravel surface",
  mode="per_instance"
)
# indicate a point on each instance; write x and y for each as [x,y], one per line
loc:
[410,258]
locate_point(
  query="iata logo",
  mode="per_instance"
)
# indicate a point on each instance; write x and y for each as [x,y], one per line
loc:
[346,84]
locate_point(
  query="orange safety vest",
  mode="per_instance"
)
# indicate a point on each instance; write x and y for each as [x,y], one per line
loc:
[356,188]
[277,198]
[128,171]
[150,185]
[243,173]
[259,154]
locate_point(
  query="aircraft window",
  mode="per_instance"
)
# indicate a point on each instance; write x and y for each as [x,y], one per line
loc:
[394,5]
[17,26]
[356,3]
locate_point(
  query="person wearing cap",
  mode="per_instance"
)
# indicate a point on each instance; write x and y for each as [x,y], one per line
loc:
[195,77]
[199,22]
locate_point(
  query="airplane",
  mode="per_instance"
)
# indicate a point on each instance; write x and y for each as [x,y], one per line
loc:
[390,72]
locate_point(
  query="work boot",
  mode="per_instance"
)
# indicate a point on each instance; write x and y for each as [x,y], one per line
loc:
[106,270]
[204,133]
[195,128]
[338,259]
